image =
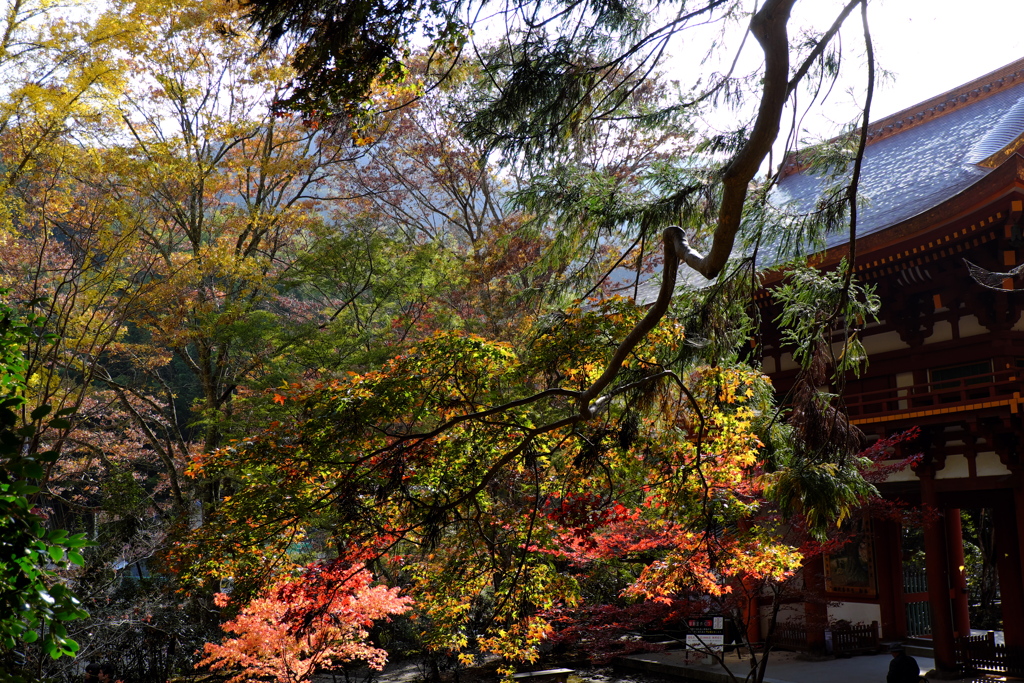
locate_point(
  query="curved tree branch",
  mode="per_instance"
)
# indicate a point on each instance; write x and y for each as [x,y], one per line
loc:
[769,27]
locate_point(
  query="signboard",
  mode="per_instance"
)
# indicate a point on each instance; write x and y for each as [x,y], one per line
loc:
[705,633]
[709,642]
[851,571]
[708,624]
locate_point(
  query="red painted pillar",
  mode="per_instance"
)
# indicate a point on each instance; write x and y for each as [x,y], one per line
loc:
[750,599]
[1018,507]
[751,609]
[1008,564]
[937,569]
[957,573]
[815,605]
[889,574]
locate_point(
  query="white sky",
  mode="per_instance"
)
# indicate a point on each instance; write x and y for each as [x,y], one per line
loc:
[935,45]
[930,46]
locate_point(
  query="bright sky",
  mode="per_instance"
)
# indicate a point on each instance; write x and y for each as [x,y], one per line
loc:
[933,45]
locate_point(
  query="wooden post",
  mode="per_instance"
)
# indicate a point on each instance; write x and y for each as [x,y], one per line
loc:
[889,575]
[937,568]
[1008,564]
[957,574]
[816,607]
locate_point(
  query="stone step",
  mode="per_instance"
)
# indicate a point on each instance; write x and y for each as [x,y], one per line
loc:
[919,647]
[915,651]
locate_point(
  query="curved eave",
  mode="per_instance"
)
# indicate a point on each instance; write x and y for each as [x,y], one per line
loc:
[914,234]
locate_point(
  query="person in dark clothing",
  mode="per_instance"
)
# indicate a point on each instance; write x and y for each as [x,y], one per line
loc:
[903,668]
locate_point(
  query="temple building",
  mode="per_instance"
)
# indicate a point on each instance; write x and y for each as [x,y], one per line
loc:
[940,237]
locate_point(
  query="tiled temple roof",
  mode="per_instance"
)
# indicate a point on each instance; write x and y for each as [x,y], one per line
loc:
[915,159]
[922,156]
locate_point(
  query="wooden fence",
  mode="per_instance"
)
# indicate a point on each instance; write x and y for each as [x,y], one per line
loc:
[790,637]
[855,639]
[847,639]
[981,654]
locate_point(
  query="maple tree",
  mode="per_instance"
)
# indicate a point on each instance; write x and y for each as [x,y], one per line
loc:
[194,246]
[560,75]
[487,507]
[301,625]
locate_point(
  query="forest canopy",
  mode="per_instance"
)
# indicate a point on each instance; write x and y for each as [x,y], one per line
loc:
[428,323]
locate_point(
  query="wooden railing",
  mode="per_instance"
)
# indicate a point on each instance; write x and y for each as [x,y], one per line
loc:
[855,639]
[1003,386]
[981,654]
[847,639]
[790,637]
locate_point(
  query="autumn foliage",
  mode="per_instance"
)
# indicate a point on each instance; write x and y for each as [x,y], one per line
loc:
[299,626]
[504,522]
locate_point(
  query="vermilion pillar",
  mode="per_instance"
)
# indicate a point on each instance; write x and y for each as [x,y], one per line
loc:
[751,609]
[1008,564]
[816,607]
[957,575]
[889,574]
[1018,505]
[937,569]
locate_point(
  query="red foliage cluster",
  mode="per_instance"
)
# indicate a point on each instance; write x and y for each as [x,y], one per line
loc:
[300,626]
[603,632]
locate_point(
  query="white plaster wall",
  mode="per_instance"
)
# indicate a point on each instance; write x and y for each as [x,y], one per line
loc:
[855,612]
[881,343]
[1019,327]
[786,362]
[904,379]
[989,465]
[906,474]
[969,326]
[768,365]
[942,331]
[791,612]
[955,468]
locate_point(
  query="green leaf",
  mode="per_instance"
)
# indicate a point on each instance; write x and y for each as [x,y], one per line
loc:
[32,469]
[40,412]
[48,456]
[56,553]
[79,541]
[23,488]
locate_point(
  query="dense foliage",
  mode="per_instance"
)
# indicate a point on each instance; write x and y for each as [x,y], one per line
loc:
[334,325]
[34,602]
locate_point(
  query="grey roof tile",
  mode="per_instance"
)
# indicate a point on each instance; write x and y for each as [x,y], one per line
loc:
[914,170]
[908,172]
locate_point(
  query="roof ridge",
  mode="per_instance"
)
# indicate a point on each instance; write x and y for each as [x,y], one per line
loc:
[978,89]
